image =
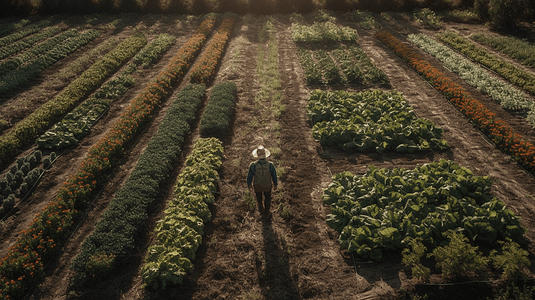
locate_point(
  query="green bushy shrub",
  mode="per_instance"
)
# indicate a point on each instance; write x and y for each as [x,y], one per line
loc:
[458,258]
[217,117]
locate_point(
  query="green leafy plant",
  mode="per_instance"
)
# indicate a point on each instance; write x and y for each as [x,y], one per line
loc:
[217,117]
[516,48]
[384,122]
[512,260]
[458,259]
[22,74]
[311,68]
[411,258]
[28,42]
[179,233]
[427,17]
[385,209]
[27,30]
[249,198]
[513,74]
[323,31]
[514,292]
[285,211]
[77,124]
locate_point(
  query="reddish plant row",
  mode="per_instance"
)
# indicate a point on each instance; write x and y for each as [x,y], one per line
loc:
[205,69]
[23,266]
[485,120]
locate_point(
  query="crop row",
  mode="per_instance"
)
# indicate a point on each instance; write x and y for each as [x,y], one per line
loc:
[505,94]
[269,95]
[347,61]
[27,130]
[352,66]
[205,68]
[82,63]
[77,123]
[179,232]
[496,129]
[329,70]
[515,75]
[323,32]
[34,67]
[27,42]
[384,209]
[37,50]
[23,265]
[217,116]
[370,121]
[311,68]
[22,176]
[112,240]
[22,33]
[7,28]
[514,47]
[371,74]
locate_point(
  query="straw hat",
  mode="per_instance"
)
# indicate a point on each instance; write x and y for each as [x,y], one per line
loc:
[261,152]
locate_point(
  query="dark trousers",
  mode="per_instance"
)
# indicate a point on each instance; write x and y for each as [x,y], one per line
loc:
[267,200]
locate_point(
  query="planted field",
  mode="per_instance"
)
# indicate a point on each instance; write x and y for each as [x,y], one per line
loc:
[125,142]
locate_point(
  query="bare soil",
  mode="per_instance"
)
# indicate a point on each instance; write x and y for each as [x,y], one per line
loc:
[295,255]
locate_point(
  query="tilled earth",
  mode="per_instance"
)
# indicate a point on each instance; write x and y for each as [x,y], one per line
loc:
[295,255]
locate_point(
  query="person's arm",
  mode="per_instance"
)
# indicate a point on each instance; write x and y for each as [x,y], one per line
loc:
[273,173]
[250,174]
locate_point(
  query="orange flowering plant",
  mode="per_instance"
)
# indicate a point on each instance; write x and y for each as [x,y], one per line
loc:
[205,69]
[496,129]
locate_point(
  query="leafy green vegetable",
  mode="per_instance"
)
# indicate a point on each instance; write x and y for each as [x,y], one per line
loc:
[179,232]
[383,209]
[370,121]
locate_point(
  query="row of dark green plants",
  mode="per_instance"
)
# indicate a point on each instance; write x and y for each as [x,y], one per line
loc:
[26,31]
[346,64]
[517,48]
[21,178]
[77,124]
[349,66]
[179,233]
[27,56]
[27,130]
[40,63]
[218,114]
[8,28]
[113,239]
[23,266]
[28,42]
[513,74]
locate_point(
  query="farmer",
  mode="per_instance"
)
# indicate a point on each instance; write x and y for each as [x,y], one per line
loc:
[264,174]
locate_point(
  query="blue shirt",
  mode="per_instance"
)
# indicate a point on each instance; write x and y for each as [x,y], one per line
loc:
[252,170]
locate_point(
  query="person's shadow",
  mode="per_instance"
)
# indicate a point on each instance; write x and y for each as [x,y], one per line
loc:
[273,267]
